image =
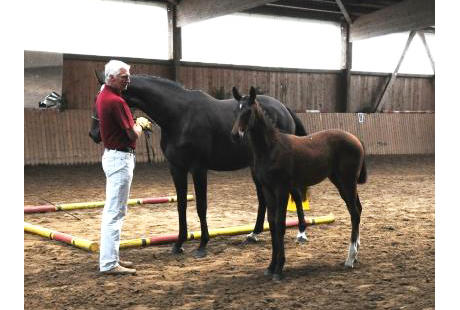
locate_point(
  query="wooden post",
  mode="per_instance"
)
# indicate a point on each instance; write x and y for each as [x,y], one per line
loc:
[175,41]
[346,67]
[389,83]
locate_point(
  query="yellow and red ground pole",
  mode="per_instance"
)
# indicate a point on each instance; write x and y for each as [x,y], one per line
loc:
[162,239]
[98,204]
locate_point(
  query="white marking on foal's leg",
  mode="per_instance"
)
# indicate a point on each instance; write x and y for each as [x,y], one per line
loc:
[352,253]
[252,237]
[301,236]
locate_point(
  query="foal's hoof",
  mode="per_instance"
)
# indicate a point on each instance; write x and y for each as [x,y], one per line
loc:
[200,253]
[177,250]
[268,273]
[349,264]
[277,277]
[251,238]
[301,237]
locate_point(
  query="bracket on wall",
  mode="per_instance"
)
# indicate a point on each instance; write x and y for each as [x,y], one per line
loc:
[389,83]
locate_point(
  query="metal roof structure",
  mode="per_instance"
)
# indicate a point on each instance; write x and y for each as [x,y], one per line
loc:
[366,18]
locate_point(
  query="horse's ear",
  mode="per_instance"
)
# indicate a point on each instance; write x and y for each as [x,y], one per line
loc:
[252,95]
[236,94]
[100,77]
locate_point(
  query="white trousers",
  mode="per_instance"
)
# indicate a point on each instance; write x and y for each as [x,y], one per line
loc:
[118,168]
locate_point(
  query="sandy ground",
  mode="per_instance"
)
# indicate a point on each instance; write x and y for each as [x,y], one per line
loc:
[396,268]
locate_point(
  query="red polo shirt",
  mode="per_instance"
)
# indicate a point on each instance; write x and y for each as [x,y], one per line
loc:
[114,119]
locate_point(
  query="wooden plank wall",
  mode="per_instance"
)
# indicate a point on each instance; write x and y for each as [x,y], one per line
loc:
[52,137]
[301,90]
[381,133]
[80,85]
[407,94]
[61,138]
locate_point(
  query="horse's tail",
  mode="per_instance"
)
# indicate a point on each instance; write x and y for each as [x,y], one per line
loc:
[299,128]
[363,174]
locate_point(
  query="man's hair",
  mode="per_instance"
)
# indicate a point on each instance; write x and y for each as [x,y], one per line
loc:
[112,68]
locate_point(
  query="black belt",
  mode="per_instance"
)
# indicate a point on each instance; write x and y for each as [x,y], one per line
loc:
[127,150]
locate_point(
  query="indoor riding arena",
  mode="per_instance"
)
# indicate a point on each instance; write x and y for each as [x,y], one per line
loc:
[393,114]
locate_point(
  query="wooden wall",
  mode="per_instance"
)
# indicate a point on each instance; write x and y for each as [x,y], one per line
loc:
[301,90]
[52,137]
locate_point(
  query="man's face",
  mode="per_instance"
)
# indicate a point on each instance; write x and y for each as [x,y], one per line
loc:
[121,80]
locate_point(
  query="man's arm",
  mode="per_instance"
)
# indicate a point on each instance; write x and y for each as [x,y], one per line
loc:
[134,132]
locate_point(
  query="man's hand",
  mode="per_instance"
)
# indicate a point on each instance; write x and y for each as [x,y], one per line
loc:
[144,123]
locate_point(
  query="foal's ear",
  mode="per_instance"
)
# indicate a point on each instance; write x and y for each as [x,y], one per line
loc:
[236,94]
[252,95]
[100,77]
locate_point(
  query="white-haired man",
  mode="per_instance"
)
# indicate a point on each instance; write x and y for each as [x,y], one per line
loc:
[119,133]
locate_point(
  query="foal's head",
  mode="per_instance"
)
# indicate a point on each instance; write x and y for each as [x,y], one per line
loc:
[243,112]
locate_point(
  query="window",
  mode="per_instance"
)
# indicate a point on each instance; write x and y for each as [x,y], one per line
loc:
[382,54]
[95,27]
[257,40]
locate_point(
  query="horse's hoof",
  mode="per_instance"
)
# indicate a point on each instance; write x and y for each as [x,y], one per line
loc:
[200,253]
[268,272]
[277,277]
[177,250]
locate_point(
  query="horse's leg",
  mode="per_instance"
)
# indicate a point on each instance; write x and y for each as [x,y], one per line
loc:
[200,180]
[179,176]
[259,226]
[301,235]
[282,196]
[348,192]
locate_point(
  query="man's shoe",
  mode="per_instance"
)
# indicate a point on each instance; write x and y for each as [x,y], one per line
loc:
[120,270]
[126,263]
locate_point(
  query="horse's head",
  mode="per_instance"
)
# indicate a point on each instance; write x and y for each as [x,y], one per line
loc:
[243,112]
[131,99]
[135,94]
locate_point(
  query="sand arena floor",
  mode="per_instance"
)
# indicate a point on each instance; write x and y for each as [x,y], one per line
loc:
[397,254]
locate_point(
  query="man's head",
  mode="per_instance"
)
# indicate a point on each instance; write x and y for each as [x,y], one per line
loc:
[117,74]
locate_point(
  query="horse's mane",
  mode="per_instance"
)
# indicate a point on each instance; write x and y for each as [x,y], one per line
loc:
[165,81]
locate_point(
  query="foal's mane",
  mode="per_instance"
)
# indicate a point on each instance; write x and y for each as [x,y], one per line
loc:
[270,131]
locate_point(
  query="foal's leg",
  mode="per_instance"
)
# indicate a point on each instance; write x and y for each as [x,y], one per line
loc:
[271,203]
[259,226]
[301,235]
[200,180]
[179,176]
[348,192]
[280,224]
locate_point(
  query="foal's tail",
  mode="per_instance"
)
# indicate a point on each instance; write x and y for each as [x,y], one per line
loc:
[299,128]
[363,174]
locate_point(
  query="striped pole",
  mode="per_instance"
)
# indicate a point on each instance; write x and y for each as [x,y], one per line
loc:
[228,231]
[58,236]
[98,204]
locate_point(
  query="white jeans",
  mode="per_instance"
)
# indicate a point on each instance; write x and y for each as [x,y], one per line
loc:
[118,168]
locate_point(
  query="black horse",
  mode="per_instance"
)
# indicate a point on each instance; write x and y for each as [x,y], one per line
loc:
[285,163]
[195,138]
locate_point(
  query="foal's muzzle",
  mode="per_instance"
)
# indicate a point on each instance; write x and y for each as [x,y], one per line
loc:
[237,136]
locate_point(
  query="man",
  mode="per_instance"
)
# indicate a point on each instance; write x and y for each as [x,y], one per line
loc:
[119,134]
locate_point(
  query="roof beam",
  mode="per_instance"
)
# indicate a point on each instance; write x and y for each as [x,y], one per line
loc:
[344,11]
[404,16]
[189,11]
